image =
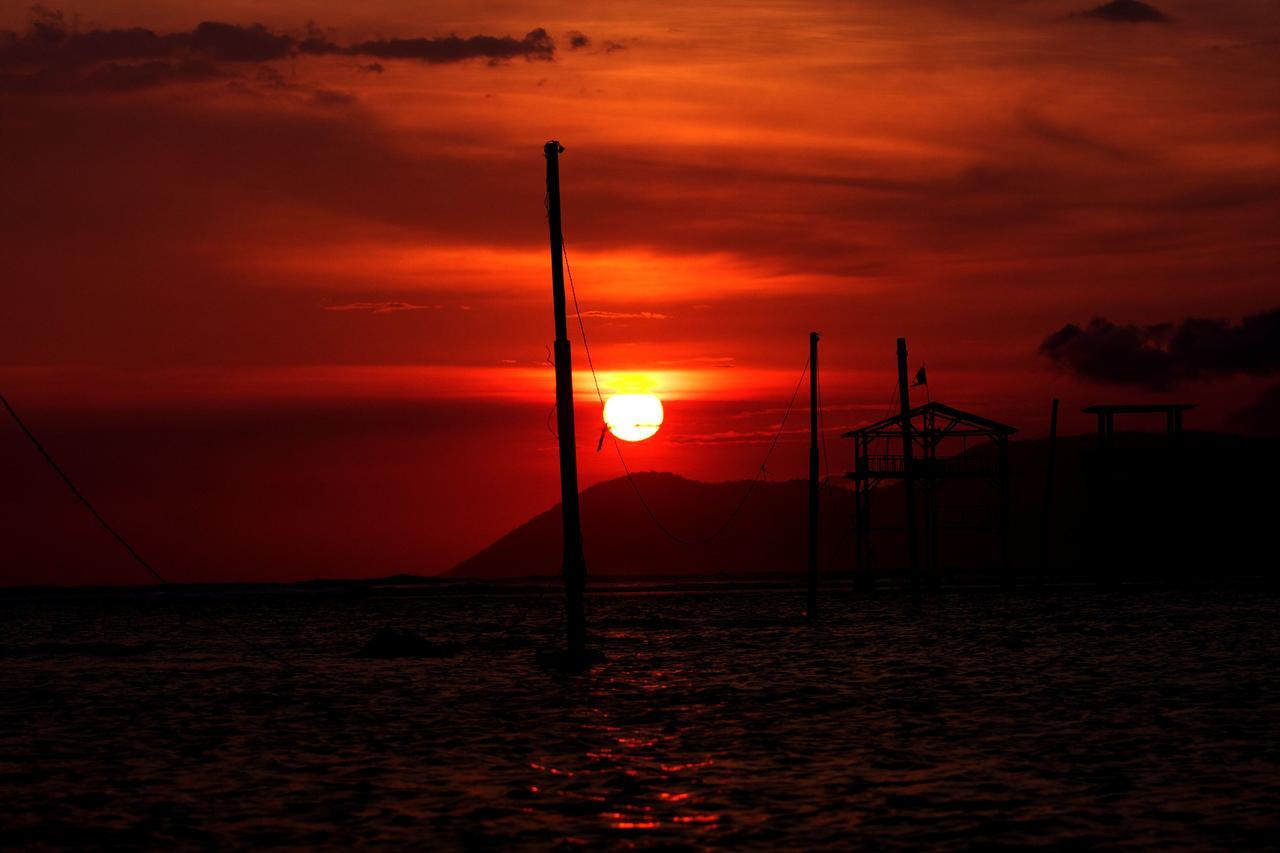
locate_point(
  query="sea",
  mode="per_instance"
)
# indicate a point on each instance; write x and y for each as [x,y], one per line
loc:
[1073,717]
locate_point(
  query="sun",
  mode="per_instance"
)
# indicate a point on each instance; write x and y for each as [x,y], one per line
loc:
[633,417]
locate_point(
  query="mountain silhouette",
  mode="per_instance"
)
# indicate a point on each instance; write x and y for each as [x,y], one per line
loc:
[767,535]
[1148,510]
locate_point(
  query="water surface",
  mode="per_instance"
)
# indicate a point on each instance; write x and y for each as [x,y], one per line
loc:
[1076,718]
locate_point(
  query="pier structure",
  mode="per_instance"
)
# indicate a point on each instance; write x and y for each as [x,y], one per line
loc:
[926,447]
[1106,416]
[1139,527]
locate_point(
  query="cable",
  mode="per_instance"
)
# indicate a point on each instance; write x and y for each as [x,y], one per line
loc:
[760,473]
[564,250]
[124,543]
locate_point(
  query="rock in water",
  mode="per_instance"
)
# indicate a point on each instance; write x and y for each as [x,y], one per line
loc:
[402,643]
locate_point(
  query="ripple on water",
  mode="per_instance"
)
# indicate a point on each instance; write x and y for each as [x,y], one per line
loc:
[1071,718]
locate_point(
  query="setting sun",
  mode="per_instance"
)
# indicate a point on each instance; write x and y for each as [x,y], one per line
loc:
[633,417]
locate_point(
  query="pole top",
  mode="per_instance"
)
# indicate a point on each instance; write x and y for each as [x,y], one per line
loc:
[552,148]
[813,336]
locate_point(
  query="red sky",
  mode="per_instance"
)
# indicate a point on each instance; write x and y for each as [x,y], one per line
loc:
[284,311]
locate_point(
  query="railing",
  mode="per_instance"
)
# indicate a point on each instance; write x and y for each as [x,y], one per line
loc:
[890,463]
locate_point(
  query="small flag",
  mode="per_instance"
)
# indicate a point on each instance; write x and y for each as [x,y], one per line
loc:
[921,377]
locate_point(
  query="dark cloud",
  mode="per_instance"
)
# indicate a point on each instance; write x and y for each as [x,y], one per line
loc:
[578,40]
[1261,417]
[1163,355]
[52,56]
[230,43]
[536,44]
[1127,12]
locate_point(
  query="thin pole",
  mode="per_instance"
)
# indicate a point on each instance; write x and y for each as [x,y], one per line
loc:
[861,519]
[811,608]
[908,480]
[1007,579]
[1046,523]
[575,564]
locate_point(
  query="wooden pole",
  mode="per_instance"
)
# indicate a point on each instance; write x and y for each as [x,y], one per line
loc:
[575,564]
[1006,500]
[811,608]
[861,519]
[908,481]
[1046,518]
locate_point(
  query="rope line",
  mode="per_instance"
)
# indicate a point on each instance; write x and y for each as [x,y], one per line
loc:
[564,250]
[746,494]
[760,475]
[125,544]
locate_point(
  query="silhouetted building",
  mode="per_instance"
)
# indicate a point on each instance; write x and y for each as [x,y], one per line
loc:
[1142,524]
[942,441]
[1107,417]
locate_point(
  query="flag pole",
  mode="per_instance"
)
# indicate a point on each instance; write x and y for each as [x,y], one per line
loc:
[908,472]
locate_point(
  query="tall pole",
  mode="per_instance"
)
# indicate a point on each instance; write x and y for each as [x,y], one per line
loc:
[908,480]
[575,564]
[1046,521]
[811,608]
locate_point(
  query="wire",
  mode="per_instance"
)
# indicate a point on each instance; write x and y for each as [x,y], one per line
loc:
[760,473]
[564,250]
[124,543]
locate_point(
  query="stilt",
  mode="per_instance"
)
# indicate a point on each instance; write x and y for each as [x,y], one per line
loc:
[811,603]
[908,475]
[1046,517]
[1006,566]
[862,577]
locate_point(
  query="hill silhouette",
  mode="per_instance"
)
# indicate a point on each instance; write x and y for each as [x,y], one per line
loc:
[766,535]
[1201,509]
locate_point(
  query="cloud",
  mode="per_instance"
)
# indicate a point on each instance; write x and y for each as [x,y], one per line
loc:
[230,43]
[378,307]
[624,315]
[578,40]
[1127,12]
[112,76]
[1047,130]
[331,98]
[1261,417]
[1164,355]
[536,45]
[52,56]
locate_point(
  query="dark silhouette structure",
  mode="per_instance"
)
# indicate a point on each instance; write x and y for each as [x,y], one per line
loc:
[1107,418]
[811,603]
[934,439]
[908,470]
[1139,520]
[1046,515]
[575,564]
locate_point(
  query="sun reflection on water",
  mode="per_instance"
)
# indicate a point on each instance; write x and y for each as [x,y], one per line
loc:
[633,768]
